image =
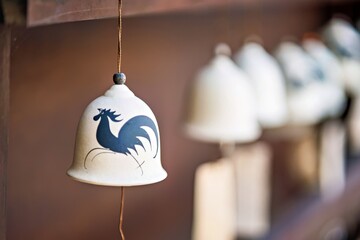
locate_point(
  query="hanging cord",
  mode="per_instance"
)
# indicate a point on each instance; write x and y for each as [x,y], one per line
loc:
[119,35]
[122,213]
[227,149]
[119,77]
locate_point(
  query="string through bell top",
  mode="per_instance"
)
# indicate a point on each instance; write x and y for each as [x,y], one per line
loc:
[119,36]
[119,71]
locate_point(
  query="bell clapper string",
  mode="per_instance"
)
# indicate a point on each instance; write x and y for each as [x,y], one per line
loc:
[119,77]
[119,35]
[122,213]
[227,149]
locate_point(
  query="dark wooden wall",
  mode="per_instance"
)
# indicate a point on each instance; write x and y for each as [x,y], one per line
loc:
[57,70]
[5,45]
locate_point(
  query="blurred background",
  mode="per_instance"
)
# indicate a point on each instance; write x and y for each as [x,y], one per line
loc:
[56,70]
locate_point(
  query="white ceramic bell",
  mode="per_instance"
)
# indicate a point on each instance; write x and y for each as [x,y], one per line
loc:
[344,40]
[306,102]
[269,84]
[117,142]
[221,106]
[333,84]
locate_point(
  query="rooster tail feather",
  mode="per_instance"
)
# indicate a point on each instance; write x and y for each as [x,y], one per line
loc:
[132,129]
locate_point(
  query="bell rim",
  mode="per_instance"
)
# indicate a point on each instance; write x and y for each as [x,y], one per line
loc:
[196,132]
[113,184]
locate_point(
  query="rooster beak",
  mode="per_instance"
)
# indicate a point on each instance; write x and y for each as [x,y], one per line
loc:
[99,109]
[96,117]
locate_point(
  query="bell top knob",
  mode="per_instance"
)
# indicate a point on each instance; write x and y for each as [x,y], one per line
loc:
[119,78]
[222,49]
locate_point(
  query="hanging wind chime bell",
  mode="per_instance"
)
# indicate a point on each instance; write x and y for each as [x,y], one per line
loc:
[222,105]
[118,141]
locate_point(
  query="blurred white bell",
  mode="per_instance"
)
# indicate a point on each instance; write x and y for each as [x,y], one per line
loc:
[344,40]
[117,142]
[333,75]
[305,78]
[269,84]
[221,105]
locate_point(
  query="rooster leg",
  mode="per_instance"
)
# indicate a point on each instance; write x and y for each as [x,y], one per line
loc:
[100,154]
[90,152]
[139,165]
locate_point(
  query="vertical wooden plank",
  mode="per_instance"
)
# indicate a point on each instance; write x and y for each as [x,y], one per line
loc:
[4,114]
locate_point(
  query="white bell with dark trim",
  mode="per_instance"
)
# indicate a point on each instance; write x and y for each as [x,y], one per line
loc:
[333,84]
[221,105]
[306,83]
[344,40]
[117,142]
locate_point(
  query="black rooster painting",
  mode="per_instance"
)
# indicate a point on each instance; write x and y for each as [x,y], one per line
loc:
[127,138]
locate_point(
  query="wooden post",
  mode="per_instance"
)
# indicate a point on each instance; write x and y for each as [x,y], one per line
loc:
[5,43]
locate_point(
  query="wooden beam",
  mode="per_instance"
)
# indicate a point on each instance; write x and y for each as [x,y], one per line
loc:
[42,12]
[48,12]
[14,11]
[4,114]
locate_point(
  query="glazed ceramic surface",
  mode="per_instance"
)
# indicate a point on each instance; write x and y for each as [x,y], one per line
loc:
[333,85]
[117,142]
[268,82]
[307,99]
[221,105]
[344,40]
